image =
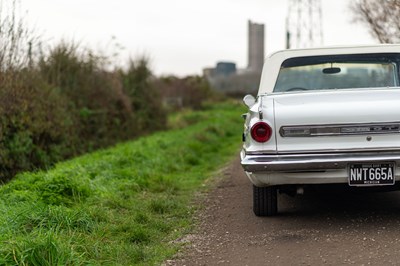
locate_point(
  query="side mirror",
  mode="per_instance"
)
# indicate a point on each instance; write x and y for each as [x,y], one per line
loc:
[249,100]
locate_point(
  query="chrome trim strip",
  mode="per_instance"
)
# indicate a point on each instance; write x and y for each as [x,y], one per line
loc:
[314,162]
[260,111]
[340,129]
[333,151]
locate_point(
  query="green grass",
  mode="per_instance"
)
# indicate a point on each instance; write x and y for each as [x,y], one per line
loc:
[120,206]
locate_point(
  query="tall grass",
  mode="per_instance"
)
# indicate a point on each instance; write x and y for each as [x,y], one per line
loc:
[61,101]
[16,39]
[120,206]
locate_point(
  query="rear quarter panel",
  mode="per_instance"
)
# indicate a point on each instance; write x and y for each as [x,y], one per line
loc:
[265,104]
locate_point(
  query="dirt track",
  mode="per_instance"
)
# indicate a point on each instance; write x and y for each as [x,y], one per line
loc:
[317,229]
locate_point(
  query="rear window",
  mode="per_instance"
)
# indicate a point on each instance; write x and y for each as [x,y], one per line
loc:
[338,72]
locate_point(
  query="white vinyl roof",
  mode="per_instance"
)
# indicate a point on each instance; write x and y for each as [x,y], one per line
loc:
[274,61]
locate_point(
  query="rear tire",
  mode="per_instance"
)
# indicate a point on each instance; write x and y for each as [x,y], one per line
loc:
[265,201]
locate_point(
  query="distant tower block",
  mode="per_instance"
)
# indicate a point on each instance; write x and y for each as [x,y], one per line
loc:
[304,24]
[256,47]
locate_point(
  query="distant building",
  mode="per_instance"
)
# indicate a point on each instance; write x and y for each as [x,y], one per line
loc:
[256,46]
[225,68]
[209,72]
[225,77]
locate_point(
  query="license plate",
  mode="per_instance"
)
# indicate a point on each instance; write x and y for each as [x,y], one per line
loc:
[371,174]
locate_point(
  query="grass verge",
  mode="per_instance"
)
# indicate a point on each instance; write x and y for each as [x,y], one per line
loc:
[121,206]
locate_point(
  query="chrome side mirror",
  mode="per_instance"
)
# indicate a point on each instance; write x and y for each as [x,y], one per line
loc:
[249,100]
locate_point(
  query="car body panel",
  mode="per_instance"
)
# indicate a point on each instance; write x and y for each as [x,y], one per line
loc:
[341,107]
[338,127]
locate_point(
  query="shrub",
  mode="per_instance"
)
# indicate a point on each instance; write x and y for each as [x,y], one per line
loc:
[66,103]
[34,123]
[189,92]
[61,101]
[102,111]
[145,97]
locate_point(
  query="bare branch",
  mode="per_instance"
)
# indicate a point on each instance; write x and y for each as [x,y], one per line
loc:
[381,17]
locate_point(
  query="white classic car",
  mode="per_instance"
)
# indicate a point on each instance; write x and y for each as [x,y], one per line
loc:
[323,116]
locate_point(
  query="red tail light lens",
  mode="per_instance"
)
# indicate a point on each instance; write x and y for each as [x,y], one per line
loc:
[261,132]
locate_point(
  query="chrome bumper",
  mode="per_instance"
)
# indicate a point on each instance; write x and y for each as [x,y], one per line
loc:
[313,162]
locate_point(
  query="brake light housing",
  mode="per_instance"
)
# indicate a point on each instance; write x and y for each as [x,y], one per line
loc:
[261,132]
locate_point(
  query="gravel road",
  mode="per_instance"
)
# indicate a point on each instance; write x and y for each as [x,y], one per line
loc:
[311,229]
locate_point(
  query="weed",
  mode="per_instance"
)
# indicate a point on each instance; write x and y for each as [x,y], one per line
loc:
[162,205]
[44,250]
[141,218]
[139,235]
[62,189]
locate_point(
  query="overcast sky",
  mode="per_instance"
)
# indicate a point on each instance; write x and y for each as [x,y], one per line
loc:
[181,36]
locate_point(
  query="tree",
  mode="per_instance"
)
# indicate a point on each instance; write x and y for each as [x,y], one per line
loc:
[381,17]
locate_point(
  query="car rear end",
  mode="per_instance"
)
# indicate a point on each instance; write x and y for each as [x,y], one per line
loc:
[303,133]
[316,144]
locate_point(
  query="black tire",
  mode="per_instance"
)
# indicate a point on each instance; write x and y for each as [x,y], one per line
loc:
[265,201]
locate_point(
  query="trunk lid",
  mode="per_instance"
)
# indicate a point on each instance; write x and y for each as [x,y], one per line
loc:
[338,120]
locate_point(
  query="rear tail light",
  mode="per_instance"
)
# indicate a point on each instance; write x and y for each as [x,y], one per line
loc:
[261,132]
